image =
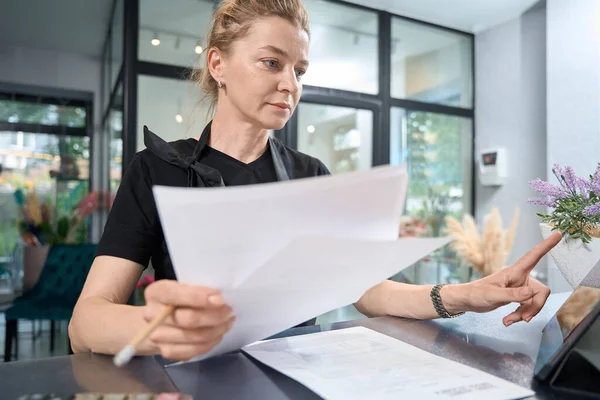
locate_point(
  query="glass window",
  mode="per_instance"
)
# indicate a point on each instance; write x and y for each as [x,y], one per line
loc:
[38,113]
[170,108]
[55,167]
[438,152]
[437,149]
[106,76]
[344,47]
[341,137]
[116,43]
[431,64]
[173,32]
[115,131]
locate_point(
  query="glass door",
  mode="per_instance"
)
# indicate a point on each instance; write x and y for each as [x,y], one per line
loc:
[438,152]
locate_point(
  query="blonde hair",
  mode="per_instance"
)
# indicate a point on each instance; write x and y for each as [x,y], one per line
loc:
[231,21]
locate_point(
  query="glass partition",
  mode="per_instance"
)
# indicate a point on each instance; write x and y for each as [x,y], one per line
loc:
[344,47]
[173,32]
[116,43]
[431,65]
[341,137]
[170,108]
[115,132]
[39,113]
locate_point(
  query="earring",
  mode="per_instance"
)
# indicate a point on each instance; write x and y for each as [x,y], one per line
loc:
[219,84]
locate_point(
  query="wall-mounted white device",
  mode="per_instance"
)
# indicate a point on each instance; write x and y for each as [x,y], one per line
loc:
[493,169]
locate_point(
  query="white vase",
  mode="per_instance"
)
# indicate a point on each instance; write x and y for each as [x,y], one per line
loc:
[573,258]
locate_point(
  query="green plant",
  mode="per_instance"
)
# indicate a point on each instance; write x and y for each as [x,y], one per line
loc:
[575,203]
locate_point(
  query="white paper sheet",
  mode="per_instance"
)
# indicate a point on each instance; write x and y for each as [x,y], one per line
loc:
[286,252]
[359,363]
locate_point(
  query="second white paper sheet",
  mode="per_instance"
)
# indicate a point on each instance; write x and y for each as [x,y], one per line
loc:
[359,363]
[286,252]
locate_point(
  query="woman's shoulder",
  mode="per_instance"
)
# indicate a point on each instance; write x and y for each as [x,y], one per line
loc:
[157,163]
[158,147]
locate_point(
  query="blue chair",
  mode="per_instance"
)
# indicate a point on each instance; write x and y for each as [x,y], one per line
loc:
[54,295]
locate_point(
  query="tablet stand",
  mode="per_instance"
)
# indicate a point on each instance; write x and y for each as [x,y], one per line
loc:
[579,370]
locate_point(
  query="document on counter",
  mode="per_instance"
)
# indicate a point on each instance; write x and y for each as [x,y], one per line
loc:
[359,363]
[283,253]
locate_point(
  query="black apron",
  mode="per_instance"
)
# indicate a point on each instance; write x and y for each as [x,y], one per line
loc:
[201,175]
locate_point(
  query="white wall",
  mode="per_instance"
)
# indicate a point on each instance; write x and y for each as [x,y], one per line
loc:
[573,29]
[53,69]
[538,94]
[510,113]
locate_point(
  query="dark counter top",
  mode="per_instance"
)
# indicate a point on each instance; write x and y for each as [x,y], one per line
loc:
[477,340]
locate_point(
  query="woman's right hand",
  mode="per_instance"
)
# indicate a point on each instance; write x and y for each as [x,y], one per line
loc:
[199,321]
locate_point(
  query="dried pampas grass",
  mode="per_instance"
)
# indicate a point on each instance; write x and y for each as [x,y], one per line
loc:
[467,242]
[493,238]
[487,252]
[512,233]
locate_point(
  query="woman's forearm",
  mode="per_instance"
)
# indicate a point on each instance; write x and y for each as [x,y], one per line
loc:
[409,301]
[100,326]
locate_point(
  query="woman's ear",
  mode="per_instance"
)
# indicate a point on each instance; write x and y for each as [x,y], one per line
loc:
[215,64]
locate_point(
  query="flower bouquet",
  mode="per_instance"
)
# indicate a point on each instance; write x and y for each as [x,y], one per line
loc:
[575,204]
[38,226]
[412,227]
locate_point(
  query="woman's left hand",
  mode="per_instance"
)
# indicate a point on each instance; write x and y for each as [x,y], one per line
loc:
[511,284]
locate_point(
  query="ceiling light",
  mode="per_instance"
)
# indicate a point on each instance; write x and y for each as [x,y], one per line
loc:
[155,40]
[179,118]
[310,129]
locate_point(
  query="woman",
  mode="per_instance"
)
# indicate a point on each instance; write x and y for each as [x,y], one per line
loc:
[257,52]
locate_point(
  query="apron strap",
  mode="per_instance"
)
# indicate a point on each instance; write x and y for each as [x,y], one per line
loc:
[198,173]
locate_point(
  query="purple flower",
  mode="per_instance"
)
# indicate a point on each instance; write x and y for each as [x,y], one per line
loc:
[595,187]
[570,179]
[583,186]
[558,170]
[538,201]
[547,189]
[595,183]
[570,182]
[592,210]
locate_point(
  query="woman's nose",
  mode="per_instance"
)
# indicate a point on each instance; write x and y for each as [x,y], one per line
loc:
[289,82]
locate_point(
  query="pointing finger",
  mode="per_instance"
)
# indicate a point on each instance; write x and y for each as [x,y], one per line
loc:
[528,262]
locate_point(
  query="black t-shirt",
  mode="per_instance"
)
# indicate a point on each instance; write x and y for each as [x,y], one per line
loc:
[133,229]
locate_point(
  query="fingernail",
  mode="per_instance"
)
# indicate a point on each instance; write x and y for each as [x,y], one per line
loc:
[508,323]
[527,319]
[216,300]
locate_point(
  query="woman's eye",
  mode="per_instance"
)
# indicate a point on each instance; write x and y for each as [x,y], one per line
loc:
[271,63]
[300,73]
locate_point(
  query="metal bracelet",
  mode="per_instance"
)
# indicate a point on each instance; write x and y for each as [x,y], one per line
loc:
[438,305]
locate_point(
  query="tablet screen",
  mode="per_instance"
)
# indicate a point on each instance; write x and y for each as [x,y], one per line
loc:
[580,310]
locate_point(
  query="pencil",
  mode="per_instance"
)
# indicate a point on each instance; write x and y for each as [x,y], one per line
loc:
[127,353]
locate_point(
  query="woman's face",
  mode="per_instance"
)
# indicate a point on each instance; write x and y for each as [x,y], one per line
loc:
[263,71]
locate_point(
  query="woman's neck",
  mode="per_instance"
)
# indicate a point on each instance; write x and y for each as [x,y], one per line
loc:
[238,139]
